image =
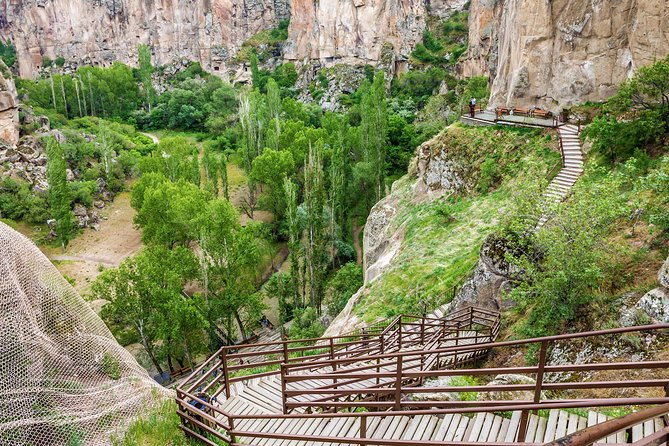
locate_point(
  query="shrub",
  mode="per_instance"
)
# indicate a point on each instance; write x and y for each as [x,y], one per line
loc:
[306,324]
[342,286]
[7,52]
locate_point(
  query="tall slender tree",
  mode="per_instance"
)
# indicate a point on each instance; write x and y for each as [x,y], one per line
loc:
[145,71]
[315,240]
[294,237]
[374,130]
[59,193]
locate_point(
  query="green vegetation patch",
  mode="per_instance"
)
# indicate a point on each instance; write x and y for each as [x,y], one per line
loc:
[443,237]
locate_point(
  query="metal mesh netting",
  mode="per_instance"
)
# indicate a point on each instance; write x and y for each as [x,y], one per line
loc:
[64,380]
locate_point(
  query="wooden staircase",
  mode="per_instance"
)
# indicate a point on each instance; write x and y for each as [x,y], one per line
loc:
[357,390]
[572,169]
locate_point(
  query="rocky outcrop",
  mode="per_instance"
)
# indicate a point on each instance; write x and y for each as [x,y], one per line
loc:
[9,107]
[655,304]
[99,32]
[492,277]
[663,274]
[557,53]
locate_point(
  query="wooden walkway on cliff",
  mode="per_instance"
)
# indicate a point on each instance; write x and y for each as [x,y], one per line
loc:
[368,388]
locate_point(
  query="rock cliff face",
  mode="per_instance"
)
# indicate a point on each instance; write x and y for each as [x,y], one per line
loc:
[9,107]
[101,31]
[361,31]
[560,52]
[212,31]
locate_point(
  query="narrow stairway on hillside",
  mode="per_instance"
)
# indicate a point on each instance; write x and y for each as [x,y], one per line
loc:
[571,170]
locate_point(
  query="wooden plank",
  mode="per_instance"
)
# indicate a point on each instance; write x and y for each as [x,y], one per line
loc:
[532,428]
[494,429]
[470,428]
[512,433]
[476,427]
[485,428]
[648,428]
[503,430]
[561,429]
[429,428]
[582,423]
[399,428]
[637,433]
[541,430]
[442,430]
[572,424]
[411,428]
[551,425]
[592,418]
[453,427]
[462,428]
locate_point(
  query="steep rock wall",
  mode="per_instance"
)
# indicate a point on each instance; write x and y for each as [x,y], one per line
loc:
[361,31]
[9,107]
[560,52]
[212,31]
[101,31]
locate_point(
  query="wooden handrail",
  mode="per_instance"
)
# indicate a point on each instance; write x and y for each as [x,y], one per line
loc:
[592,434]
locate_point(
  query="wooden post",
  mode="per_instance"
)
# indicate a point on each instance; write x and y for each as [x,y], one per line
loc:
[399,334]
[398,384]
[522,428]
[231,421]
[363,428]
[422,331]
[332,357]
[224,367]
[284,373]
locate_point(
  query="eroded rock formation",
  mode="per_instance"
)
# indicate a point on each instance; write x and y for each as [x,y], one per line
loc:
[560,52]
[101,31]
[9,107]
[379,32]
[355,31]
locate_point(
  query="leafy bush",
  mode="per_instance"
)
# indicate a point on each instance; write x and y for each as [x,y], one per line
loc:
[342,286]
[7,52]
[82,192]
[306,324]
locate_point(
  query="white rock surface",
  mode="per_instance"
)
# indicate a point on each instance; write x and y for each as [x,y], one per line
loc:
[663,274]
[9,107]
[656,304]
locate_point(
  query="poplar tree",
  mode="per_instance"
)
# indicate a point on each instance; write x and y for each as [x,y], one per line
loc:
[338,181]
[294,237]
[145,71]
[315,241]
[195,168]
[374,131]
[59,193]
[224,177]
[274,109]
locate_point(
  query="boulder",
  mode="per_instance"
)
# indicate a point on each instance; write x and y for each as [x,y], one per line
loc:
[492,277]
[80,210]
[655,304]
[507,395]
[663,274]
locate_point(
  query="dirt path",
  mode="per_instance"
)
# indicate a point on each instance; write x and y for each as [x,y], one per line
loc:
[87,254]
[356,230]
[153,137]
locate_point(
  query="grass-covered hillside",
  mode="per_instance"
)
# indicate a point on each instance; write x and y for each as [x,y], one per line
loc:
[442,237]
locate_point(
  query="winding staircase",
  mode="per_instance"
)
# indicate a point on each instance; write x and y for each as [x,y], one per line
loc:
[376,386]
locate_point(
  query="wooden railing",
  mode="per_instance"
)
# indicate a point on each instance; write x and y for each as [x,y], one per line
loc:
[348,361]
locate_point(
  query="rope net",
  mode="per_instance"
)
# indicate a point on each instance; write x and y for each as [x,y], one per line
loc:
[64,380]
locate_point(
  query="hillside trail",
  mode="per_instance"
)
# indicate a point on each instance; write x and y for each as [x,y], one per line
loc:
[153,137]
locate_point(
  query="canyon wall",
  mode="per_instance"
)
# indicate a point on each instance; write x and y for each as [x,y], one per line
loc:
[557,53]
[9,108]
[101,31]
[212,31]
[360,31]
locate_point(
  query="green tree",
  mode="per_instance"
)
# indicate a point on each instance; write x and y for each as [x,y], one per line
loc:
[145,294]
[59,193]
[344,284]
[294,237]
[315,251]
[374,131]
[271,168]
[145,71]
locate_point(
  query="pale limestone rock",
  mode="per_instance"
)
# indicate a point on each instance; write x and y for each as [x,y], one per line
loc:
[656,304]
[9,107]
[663,274]
[562,52]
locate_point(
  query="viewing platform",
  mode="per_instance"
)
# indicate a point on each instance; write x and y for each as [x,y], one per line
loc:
[490,117]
